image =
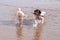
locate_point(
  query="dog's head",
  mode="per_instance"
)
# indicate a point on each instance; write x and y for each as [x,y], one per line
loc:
[19,9]
[20,12]
[37,12]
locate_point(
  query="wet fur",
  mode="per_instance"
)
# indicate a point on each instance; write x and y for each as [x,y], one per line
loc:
[38,18]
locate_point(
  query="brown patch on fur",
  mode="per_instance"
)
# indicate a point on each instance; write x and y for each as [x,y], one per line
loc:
[37,13]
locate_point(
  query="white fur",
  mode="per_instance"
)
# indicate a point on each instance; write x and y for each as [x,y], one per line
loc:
[39,21]
[20,13]
[43,13]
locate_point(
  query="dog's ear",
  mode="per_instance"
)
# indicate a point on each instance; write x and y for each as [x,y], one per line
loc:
[19,9]
[36,10]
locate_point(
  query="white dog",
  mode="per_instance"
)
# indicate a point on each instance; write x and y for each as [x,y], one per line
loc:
[39,17]
[20,16]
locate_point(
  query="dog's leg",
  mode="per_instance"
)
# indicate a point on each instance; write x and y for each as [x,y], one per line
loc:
[42,20]
[20,21]
[35,24]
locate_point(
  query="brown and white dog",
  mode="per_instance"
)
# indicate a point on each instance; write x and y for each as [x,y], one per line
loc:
[39,17]
[20,16]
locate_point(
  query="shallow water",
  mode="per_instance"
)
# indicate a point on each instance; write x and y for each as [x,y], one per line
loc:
[10,30]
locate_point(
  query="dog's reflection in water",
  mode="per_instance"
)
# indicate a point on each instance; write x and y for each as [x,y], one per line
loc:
[19,32]
[37,32]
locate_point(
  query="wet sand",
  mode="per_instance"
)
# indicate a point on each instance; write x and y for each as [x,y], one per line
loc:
[10,30]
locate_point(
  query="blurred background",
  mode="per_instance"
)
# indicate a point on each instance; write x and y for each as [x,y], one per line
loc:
[9,30]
